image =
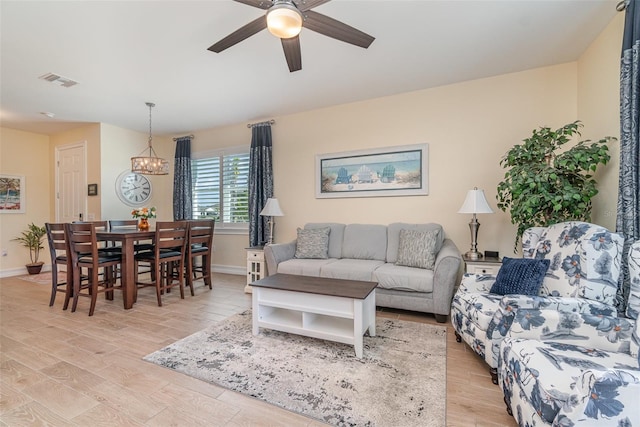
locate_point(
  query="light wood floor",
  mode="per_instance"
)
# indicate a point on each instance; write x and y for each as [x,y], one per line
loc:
[60,368]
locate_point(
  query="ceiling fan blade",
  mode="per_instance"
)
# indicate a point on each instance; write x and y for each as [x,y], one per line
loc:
[240,34]
[292,53]
[304,5]
[261,4]
[338,30]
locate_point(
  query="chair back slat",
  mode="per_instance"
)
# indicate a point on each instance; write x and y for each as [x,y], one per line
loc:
[201,232]
[123,223]
[171,235]
[56,238]
[81,237]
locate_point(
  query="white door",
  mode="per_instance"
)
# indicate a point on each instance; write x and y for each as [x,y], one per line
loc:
[71,182]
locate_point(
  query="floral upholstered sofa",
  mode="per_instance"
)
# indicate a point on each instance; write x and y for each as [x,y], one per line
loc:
[575,368]
[577,265]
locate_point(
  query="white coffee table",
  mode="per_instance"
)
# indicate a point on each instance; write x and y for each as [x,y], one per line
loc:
[331,309]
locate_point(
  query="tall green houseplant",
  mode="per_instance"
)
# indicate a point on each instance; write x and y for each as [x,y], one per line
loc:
[31,238]
[547,183]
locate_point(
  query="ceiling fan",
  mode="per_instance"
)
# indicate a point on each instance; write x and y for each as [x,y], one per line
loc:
[285,19]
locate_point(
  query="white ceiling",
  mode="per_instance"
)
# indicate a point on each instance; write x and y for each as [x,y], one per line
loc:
[124,53]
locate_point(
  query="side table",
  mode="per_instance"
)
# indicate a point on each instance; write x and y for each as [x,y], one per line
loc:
[256,266]
[486,265]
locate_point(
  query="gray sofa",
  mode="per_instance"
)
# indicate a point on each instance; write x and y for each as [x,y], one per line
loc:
[369,252]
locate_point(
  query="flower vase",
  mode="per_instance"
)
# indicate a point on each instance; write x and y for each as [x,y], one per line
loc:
[144,224]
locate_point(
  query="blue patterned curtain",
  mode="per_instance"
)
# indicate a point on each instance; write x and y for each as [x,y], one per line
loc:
[182,206]
[260,181]
[628,219]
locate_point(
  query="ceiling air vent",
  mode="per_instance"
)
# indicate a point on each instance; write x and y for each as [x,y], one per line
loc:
[55,78]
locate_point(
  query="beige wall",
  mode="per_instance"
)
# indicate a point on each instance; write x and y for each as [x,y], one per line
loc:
[90,136]
[599,109]
[24,154]
[468,126]
[117,147]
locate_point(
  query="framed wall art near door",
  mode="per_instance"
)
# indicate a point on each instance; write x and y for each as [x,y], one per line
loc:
[12,194]
[389,171]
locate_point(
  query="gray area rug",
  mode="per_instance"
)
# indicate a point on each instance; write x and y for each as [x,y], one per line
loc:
[400,381]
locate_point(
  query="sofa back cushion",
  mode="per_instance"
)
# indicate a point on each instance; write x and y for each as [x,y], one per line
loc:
[365,241]
[585,261]
[336,236]
[393,237]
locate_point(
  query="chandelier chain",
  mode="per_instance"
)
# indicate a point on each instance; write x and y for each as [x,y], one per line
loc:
[151,105]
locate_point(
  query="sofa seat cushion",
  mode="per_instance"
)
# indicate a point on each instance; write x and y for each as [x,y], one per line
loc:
[545,372]
[478,307]
[391,276]
[350,269]
[304,267]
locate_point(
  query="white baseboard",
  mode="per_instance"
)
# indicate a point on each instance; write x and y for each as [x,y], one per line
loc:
[21,271]
[229,269]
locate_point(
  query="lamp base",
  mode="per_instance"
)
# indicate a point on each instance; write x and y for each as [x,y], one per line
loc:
[472,256]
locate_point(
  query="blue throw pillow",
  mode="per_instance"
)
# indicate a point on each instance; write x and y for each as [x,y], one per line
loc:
[521,276]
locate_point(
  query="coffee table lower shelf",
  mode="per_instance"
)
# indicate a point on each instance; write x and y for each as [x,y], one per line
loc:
[332,318]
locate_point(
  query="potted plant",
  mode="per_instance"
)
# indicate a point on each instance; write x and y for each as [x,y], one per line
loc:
[32,238]
[546,183]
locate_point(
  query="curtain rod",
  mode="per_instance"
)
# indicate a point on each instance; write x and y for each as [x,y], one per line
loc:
[186,136]
[622,5]
[268,122]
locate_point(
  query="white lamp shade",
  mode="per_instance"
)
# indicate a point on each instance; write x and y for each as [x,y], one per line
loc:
[475,203]
[272,208]
[284,21]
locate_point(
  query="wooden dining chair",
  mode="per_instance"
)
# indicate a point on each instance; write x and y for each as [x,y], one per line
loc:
[170,245]
[86,256]
[200,246]
[58,251]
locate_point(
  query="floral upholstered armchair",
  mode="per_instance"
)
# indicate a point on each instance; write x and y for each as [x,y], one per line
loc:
[581,264]
[573,369]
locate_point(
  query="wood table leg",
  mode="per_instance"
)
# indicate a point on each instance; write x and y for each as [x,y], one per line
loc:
[127,276]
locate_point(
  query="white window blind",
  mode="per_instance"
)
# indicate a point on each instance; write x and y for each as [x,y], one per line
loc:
[221,187]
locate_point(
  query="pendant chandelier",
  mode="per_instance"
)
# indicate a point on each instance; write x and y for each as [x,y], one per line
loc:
[149,164]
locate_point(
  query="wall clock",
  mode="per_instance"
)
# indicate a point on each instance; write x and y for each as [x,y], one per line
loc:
[133,189]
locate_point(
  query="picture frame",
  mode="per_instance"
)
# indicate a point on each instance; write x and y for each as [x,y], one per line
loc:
[381,172]
[92,190]
[12,194]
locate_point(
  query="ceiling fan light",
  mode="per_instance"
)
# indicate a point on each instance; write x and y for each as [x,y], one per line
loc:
[284,21]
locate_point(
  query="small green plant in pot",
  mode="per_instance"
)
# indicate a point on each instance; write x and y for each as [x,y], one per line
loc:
[32,238]
[547,183]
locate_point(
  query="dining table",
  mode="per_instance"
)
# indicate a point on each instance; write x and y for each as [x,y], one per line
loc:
[127,238]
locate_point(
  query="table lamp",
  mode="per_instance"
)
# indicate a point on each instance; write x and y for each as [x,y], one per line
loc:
[475,203]
[271,209]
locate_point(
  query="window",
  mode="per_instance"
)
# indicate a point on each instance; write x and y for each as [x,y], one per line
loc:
[221,187]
